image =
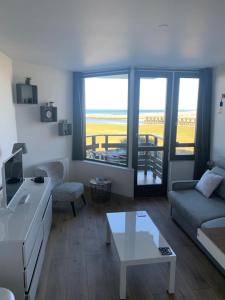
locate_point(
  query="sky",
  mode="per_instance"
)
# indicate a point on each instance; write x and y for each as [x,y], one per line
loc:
[112,93]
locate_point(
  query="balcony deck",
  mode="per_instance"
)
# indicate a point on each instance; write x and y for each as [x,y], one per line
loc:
[148,179]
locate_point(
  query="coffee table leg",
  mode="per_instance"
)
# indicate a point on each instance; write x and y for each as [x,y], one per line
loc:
[108,234]
[171,289]
[123,281]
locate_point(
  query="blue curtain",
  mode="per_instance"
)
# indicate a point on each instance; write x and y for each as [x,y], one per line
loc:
[202,152]
[78,117]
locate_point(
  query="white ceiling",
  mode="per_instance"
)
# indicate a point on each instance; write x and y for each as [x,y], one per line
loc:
[90,34]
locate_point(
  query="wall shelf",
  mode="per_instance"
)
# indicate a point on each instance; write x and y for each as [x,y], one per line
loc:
[26,93]
[64,128]
[48,112]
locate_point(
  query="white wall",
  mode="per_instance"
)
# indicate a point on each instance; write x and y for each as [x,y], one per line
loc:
[42,139]
[8,134]
[218,120]
[180,170]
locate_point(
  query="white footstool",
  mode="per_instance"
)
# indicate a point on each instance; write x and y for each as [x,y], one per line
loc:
[69,192]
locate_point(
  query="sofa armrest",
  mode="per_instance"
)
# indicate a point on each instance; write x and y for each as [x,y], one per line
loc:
[184,185]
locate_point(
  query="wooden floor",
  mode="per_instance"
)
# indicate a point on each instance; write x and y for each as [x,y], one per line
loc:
[78,265]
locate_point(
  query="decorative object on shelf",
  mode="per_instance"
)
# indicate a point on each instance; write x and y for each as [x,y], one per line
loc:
[18,146]
[26,93]
[100,189]
[65,128]
[221,104]
[48,112]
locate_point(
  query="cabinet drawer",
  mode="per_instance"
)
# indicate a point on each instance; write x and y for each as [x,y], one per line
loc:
[28,272]
[47,222]
[29,243]
[30,295]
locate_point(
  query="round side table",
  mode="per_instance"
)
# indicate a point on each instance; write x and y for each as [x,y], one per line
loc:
[100,189]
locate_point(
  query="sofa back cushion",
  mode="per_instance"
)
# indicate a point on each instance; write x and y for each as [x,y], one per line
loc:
[208,183]
[220,191]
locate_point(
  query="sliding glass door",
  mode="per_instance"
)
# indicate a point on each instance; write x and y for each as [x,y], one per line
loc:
[151,131]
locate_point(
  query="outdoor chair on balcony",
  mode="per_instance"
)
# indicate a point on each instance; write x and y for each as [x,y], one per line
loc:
[61,190]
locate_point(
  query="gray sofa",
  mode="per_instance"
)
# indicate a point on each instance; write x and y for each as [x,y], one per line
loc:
[191,210]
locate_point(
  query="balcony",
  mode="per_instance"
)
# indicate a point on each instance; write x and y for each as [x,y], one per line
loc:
[112,148]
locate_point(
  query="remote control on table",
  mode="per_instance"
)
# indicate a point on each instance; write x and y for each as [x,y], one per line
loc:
[165,250]
[141,214]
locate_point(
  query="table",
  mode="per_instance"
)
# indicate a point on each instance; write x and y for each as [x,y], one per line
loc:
[213,239]
[137,240]
[100,189]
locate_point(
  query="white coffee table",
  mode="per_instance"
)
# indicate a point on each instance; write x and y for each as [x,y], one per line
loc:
[137,240]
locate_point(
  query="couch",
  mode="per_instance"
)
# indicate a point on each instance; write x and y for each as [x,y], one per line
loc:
[191,210]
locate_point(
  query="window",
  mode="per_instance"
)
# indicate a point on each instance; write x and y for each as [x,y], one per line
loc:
[185,116]
[106,118]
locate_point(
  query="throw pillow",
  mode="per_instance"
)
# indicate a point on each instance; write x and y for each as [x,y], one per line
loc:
[208,183]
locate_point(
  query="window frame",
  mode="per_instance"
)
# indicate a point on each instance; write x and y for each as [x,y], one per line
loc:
[174,144]
[125,71]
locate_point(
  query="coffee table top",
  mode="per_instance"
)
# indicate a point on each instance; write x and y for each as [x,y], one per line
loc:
[137,238]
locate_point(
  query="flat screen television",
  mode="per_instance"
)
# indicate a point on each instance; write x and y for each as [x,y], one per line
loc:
[12,177]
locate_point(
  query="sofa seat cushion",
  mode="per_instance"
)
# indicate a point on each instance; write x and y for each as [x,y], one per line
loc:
[220,222]
[195,208]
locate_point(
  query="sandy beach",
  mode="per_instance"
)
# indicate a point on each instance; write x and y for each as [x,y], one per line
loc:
[149,123]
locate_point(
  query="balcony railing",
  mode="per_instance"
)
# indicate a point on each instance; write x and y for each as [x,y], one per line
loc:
[105,147]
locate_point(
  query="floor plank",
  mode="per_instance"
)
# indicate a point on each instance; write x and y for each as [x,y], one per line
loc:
[78,264]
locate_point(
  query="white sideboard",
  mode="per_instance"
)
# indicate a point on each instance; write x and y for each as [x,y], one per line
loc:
[23,239]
